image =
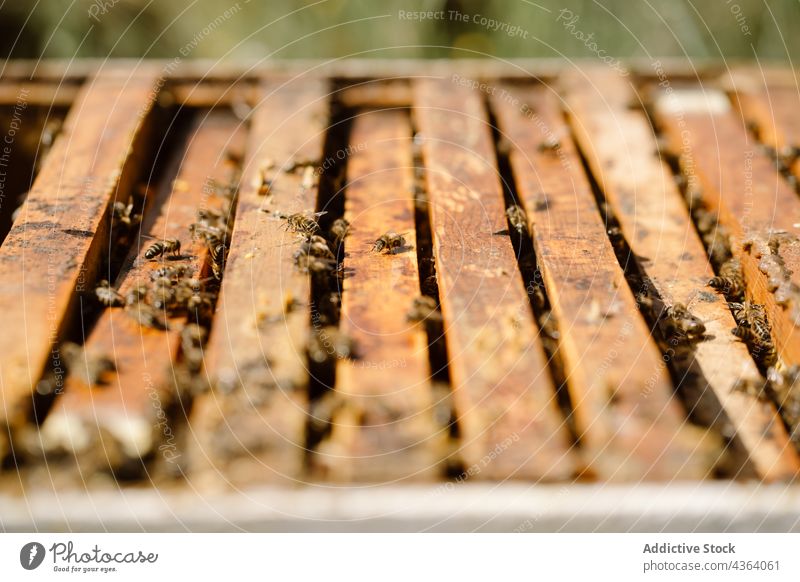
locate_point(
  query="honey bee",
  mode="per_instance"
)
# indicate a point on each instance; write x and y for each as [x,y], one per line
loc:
[314,246]
[160,248]
[516,217]
[108,296]
[137,294]
[191,295]
[122,213]
[338,231]
[424,309]
[163,294]
[193,336]
[301,222]
[168,272]
[389,241]
[679,323]
[753,328]
[216,251]
[730,280]
[90,368]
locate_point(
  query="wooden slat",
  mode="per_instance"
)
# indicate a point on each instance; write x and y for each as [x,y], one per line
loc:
[621,151]
[386,429]
[55,94]
[503,392]
[55,245]
[630,425]
[377,93]
[740,183]
[772,111]
[132,408]
[254,419]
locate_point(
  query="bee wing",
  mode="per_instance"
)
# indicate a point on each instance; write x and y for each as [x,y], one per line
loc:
[318,214]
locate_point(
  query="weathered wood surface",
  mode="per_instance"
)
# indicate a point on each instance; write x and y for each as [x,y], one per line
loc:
[630,425]
[503,392]
[54,248]
[737,180]
[252,425]
[621,150]
[128,417]
[386,427]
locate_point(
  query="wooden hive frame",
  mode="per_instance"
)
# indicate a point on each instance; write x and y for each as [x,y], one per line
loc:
[544,217]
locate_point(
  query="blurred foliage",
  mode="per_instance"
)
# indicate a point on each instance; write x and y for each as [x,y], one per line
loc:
[257,29]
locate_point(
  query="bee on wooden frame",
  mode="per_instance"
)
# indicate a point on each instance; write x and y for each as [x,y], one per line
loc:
[107,295]
[162,247]
[389,241]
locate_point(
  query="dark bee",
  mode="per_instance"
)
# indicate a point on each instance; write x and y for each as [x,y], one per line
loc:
[517,220]
[389,241]
[193,336]
[753,328]
[217,253]
[162,247]
[314,246]
[680,324]
[108,296]
[730,280]
[90,368]
[338,231]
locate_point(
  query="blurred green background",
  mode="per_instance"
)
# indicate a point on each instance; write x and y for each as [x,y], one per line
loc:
[254,29]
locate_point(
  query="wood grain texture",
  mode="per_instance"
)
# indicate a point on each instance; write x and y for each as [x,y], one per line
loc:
[53,249]
[740,183]
[621,150]
[630,425]
[386,428]
[129,417]
[251,427]
[502,389]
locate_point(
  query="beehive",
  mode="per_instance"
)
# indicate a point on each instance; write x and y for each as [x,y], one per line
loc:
[517,361]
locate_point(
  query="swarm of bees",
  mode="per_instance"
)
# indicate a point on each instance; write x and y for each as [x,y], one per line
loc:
[680,326]
[730,281]
[390,242]
[753,328]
